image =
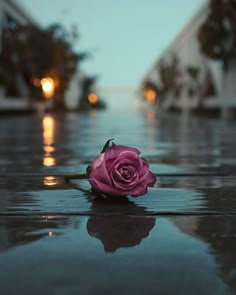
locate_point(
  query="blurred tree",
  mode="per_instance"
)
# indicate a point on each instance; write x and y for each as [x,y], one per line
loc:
[150,85]
[169,77]
[38,53]
[217,35]
[87,86]
[89,98]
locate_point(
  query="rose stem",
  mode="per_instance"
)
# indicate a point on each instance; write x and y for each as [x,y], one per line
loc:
[76,176]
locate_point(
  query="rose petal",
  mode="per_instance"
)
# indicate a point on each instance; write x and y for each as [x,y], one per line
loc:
[151,179]
[147,176]
[117,177]
[115,150]
[100,187]
[124,158]
[139,190]
[98,170]
[119,185]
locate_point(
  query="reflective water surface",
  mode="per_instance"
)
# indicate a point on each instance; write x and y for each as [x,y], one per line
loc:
[58,239]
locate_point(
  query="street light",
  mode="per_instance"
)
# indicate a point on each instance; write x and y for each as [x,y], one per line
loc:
[92,98]
[150,95]
[48,87]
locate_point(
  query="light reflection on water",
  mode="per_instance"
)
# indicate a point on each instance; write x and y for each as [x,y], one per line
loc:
[50,180]
[48,123]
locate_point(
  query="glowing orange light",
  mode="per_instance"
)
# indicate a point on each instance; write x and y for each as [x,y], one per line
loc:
[49,161]
[48,87]
[48,140]
[48,149]
[50,180]
[93,98]
[48,130]
[150,95]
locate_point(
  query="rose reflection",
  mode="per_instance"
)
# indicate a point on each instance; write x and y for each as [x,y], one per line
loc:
[48,140]
[119,231]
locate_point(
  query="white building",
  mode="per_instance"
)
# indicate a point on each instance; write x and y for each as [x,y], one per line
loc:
[194,90]
[74,91]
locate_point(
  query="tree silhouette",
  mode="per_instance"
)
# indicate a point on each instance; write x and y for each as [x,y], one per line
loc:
[217,35]
[169,76]
[35,53]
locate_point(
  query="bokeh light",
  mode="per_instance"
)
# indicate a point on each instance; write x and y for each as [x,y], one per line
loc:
[48,87]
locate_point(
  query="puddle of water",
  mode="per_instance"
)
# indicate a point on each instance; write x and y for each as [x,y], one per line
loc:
[54,239]
[87,255]
[54,143]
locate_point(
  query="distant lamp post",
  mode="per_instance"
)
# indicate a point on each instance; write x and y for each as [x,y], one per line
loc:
[48,87]
[150,95]
[92,98]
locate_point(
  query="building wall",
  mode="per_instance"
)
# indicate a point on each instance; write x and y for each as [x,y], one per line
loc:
[185,44]
[11,8]
[11,13]
[187,50]
[74,92]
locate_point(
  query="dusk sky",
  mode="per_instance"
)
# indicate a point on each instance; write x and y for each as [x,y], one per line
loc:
[125,36]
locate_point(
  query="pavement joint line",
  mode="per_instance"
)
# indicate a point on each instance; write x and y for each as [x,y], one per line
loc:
[156,174]
[148,214]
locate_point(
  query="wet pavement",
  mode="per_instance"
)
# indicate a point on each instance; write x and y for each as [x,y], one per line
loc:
[178,238]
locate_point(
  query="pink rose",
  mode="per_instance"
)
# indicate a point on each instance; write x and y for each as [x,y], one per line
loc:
[119,171]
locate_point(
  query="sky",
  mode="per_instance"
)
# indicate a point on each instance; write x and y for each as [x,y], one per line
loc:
[125,37]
